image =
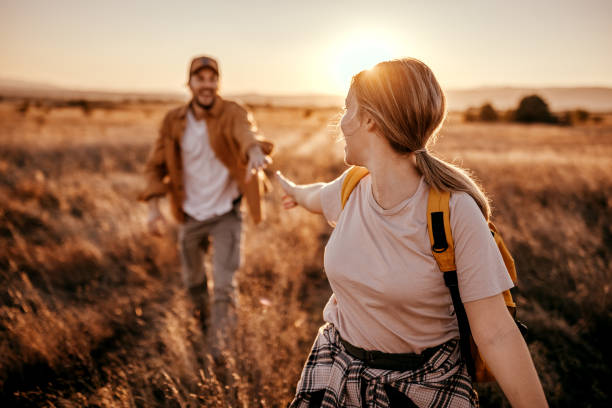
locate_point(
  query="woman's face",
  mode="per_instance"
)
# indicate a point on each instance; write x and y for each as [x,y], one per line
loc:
[352,130]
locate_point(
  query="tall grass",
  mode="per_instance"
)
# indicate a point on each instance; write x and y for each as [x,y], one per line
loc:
[91,307]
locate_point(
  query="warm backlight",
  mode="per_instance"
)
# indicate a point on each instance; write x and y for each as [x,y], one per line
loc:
[361,53]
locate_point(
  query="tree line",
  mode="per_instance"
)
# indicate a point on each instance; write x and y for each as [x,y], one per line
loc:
[531,109]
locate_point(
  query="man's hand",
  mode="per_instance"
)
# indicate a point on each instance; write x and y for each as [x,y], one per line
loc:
[156,222]
[257,161]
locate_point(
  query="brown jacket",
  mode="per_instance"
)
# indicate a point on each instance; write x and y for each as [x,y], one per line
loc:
[231,134]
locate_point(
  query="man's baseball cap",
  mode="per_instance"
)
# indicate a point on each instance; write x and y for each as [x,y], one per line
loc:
[203,61]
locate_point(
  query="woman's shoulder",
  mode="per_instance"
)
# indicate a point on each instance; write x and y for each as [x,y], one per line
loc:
[331,197]
[463,208]
[338,184]
[461,198]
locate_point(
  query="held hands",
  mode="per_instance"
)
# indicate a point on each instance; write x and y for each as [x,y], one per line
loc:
[257,161]
[289,188]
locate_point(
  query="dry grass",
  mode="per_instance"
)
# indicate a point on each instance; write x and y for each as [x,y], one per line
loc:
[91,308]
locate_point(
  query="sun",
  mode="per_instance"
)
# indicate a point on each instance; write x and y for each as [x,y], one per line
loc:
[361,52]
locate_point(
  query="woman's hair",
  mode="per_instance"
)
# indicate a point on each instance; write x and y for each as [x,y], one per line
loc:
[408,107]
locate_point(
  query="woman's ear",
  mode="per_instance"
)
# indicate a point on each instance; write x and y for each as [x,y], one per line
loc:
[369,122]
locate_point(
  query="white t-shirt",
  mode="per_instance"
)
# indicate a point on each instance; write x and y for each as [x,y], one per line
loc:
[389,294]
[209,188]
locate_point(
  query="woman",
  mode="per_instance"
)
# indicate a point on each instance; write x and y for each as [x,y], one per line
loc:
[391,336]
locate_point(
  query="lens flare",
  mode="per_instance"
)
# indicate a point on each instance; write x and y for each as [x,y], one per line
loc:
[359,53]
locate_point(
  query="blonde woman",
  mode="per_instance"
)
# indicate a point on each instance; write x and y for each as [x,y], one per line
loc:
[390,337]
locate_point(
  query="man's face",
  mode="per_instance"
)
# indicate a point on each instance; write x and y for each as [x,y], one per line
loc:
[204,85]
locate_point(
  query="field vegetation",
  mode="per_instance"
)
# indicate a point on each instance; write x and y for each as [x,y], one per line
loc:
[532,109]
[92,312]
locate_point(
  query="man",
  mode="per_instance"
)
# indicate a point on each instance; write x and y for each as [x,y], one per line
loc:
[206,159]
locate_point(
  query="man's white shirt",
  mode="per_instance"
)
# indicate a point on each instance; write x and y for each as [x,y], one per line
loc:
[209,188]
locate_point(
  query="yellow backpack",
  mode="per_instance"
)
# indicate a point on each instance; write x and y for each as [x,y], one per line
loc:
[443,250]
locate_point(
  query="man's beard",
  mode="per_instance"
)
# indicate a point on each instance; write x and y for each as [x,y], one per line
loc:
[205,107]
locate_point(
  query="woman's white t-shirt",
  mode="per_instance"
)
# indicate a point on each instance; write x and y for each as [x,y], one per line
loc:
[388,292]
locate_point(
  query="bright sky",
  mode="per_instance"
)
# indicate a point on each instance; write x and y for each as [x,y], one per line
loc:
[314,46]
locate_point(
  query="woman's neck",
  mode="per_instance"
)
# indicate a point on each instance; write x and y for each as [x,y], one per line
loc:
[394,178]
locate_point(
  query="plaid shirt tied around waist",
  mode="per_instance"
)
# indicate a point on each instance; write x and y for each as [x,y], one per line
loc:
[443,381]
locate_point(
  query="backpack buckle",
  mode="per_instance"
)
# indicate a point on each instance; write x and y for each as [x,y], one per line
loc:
[440,249]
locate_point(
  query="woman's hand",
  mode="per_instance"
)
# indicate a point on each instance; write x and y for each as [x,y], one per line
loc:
[308,196]
[288,187]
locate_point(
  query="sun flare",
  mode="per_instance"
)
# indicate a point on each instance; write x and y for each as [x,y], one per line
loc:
[359,53]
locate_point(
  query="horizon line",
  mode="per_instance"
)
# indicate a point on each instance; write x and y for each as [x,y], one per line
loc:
[26,85]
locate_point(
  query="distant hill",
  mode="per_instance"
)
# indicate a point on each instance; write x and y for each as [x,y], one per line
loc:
[24,89]
[16,85]
[596,99]
[558,99]
[310,100]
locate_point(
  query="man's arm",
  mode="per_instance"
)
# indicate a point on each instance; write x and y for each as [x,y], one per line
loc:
[156,169]
[250,147]
[155,172]
[243,131]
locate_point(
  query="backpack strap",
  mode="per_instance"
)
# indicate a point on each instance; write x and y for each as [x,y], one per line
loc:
[440,234]
[353,177]
[443,250]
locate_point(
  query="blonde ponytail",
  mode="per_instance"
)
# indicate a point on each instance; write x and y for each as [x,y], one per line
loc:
[409,107]
[448,177]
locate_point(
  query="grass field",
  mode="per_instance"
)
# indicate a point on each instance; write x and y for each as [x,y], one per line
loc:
[91,308]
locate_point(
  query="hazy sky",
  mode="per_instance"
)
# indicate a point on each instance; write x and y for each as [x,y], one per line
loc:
[304,47]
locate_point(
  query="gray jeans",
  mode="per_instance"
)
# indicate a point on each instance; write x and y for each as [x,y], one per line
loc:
[194,240]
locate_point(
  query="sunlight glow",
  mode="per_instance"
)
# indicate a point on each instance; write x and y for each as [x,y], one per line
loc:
[359,53]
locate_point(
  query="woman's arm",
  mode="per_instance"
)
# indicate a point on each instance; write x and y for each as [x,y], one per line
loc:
[306,195]
[502,347]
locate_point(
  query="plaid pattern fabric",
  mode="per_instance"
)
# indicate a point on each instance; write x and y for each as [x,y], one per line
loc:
[441,382]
